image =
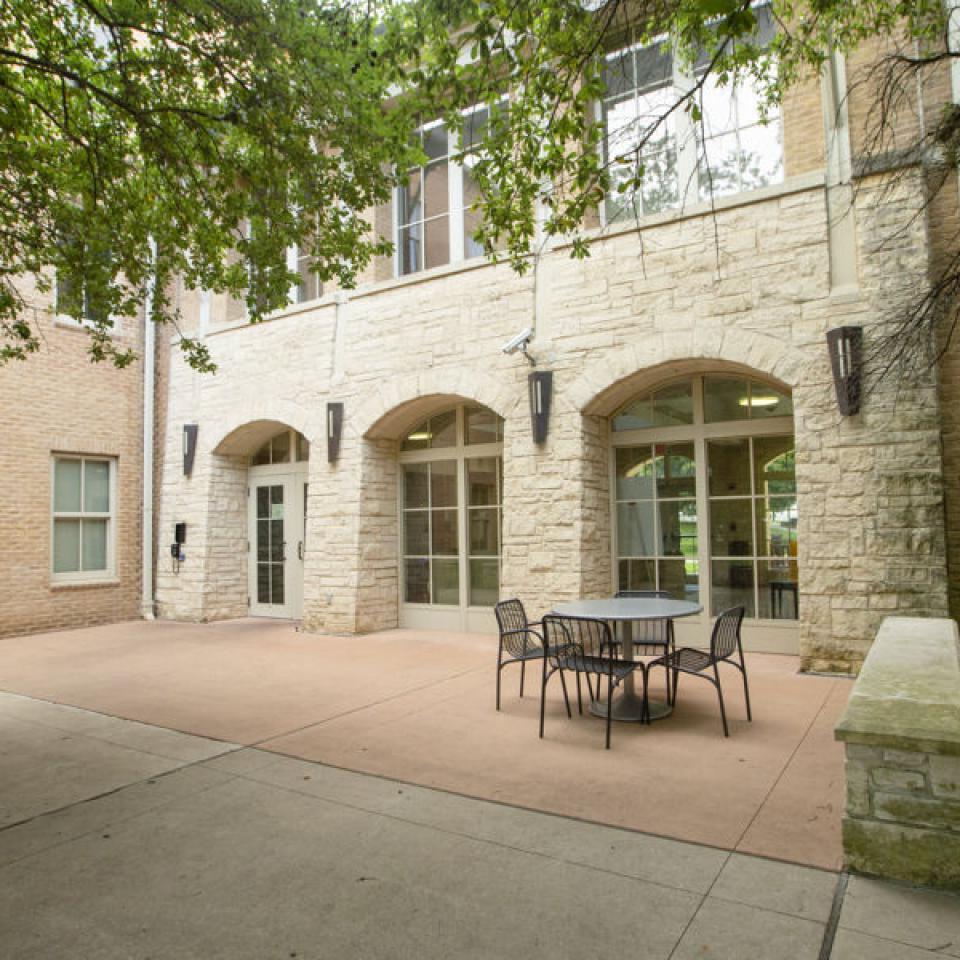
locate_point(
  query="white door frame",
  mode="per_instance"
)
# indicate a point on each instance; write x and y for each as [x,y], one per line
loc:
[292,477]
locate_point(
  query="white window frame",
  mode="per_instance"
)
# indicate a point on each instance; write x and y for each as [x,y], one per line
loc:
[455,204]
[459,453]
[688,136]
[84,576]
[84,323]
[698,433]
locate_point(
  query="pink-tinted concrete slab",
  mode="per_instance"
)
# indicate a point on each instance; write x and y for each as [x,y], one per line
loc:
[420,707]
[241,681]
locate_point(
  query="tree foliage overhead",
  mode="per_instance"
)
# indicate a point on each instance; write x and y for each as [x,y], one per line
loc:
[183,121]
[209,126]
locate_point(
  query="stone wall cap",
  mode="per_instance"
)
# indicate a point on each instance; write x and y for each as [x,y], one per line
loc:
[907,695]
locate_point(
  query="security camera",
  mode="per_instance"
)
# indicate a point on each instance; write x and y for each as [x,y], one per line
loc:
[519,342]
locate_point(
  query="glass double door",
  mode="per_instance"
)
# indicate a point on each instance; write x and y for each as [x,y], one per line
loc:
[276,542]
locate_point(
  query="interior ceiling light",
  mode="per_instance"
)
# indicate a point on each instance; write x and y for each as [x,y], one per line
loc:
[419,435]
[759,401]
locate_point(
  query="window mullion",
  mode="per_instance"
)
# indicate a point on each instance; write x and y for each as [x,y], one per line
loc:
[688,185]
[455,198]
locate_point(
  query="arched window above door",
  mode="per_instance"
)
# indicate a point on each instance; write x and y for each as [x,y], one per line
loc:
[707,399]
[287,446]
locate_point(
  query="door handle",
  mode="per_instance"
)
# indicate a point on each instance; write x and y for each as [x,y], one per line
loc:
[299,549]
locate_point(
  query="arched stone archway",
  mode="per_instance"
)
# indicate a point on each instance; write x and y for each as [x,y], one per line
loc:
[398,404]
[605,384]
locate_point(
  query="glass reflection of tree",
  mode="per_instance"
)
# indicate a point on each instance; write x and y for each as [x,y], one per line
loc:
[779,483]
[656,172]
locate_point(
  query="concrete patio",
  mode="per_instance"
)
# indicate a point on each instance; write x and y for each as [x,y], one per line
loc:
[419,707]
[121,838]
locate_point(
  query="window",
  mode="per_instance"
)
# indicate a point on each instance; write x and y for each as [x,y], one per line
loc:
[86,302]
[705,497]
[307,287]
[729,151]
[285,447]
[451,509]
[640,89]
[83,518]
[434,220]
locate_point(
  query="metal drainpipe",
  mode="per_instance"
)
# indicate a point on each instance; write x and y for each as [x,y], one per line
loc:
[149,362]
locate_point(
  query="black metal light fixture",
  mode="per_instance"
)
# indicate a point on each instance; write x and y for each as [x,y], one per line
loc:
[189,447]
[541,390]
[334,430]
[846,359]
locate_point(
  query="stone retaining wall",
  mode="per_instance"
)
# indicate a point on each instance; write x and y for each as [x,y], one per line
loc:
[902,735]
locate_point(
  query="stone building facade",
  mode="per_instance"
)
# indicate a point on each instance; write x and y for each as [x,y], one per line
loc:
[741,290]
[433,499]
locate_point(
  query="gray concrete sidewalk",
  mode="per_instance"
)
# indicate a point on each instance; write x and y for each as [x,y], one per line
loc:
[124,840]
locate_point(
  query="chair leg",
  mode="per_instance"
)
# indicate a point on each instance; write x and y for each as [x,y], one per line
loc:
[609,704]
[676,687]
[499,669]
[523,670]
[543,697]
[723,712]
[579,696]
[566,699]
[746,692]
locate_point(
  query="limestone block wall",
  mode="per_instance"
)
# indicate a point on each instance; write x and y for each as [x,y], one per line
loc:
[746,288]
[901,731]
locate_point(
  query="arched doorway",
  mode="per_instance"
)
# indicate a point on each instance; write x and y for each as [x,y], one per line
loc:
[277,517]
[705,502]
[450,503]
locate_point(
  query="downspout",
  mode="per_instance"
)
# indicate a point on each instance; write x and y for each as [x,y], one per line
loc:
[149,373]
[953,48]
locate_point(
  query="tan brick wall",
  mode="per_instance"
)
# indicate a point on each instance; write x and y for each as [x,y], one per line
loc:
[803,134]
[57,401]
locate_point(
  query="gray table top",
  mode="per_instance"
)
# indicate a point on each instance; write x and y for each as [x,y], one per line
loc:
[629,608]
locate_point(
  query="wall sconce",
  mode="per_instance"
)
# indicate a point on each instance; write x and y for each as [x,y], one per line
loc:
[334,430]
[541,390]
[844,344]
[189,447]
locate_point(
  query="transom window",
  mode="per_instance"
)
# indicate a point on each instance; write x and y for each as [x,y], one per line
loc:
[451,496]
[704,492]
[288,446]
[83,518]
[729,151]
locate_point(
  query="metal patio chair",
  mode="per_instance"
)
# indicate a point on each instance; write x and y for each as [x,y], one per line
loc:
[724,643]
[518,639]
[574,643]
[651,638]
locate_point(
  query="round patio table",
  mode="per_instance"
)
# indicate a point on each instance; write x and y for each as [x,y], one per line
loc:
[628,610]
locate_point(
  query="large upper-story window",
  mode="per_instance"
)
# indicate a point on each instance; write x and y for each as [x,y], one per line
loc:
[732,148]
[434,219]
[307,287]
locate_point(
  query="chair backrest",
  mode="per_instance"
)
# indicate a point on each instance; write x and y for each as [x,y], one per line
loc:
[580,635]
[510,616]
[656,633]
[726,633]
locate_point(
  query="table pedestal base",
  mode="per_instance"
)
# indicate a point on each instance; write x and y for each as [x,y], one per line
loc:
[628,707]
